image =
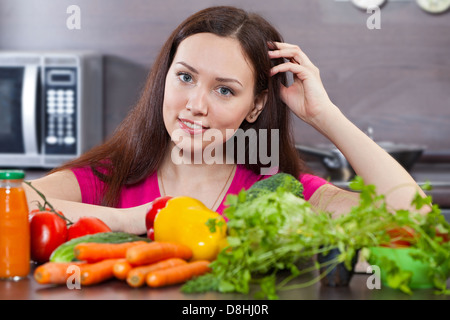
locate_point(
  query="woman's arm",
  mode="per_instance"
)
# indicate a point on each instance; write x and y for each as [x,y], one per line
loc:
[62,190]
[308,99]
[368,159]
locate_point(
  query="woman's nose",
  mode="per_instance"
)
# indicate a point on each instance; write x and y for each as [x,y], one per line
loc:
[197,102]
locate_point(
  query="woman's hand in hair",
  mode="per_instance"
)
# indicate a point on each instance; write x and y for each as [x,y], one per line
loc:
[306,97]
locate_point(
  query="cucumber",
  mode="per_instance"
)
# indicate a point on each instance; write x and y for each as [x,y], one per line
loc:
[64,253]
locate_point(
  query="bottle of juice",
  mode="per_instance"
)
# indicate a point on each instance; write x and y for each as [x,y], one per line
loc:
[14,226]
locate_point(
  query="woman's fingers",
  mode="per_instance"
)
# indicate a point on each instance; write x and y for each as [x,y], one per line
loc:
[300,71]
[284,67]
[290,52]
[286,54]
[298,62]
[306,97]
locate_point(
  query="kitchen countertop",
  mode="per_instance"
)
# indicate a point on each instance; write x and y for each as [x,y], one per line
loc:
[29,289]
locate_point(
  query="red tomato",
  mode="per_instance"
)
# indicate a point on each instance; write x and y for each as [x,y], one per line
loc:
[156,206]
[47,231]
[86,225]
[33,212]
[397,244]
[445,236]
[401,237]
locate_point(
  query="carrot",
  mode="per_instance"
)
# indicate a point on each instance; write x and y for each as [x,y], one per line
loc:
[93,252]
[121,269]
[97,272]
[54,272]
[178,274]
[156,251]
[136,277]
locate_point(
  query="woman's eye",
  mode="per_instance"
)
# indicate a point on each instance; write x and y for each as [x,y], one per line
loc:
[225,91]
[185,77]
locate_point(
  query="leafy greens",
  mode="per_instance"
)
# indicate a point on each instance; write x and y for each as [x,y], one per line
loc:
[276,230]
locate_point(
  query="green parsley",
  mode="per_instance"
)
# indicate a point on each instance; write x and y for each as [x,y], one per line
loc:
[278,229]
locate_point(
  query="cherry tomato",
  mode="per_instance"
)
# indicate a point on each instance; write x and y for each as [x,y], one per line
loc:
[86,225]
[156,206]
[48,231]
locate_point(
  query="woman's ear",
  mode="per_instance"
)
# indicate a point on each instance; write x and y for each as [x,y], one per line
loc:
[258,106]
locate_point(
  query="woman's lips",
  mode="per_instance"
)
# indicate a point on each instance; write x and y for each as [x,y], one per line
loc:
[191,127]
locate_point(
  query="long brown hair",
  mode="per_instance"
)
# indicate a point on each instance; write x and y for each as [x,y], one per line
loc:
[137,147]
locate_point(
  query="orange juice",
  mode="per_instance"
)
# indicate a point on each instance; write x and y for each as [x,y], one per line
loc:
[14,227]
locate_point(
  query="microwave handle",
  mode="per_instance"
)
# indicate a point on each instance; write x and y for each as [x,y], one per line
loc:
[29,109]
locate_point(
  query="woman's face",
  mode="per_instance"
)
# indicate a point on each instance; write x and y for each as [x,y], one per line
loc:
[209,91]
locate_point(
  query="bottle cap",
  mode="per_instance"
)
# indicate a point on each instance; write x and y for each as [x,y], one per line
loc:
[12,174]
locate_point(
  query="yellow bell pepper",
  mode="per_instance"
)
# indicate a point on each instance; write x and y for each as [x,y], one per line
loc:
[183,220]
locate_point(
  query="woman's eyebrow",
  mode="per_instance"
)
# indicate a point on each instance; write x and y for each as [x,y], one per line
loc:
[188,66]
[229,80]
[220,79]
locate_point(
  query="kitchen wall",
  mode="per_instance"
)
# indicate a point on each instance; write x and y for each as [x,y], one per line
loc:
[395,79]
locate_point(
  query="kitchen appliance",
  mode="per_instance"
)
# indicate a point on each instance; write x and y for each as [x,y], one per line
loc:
[51,107]
[338,167]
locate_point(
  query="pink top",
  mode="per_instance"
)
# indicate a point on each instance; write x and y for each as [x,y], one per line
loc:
[148,190]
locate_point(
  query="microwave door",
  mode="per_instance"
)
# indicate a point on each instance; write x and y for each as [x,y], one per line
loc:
[11,124]
[29,110]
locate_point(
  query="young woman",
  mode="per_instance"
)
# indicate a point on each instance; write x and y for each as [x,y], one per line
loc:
[222,71]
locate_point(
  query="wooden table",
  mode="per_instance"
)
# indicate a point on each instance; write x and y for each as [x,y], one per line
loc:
[102,301]
[29,289]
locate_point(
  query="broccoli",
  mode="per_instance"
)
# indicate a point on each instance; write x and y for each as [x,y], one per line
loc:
[285,180]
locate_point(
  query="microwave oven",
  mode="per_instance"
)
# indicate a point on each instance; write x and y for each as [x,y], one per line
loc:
[51,107]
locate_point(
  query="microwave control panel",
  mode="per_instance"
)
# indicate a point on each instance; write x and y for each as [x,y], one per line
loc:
[60,107]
